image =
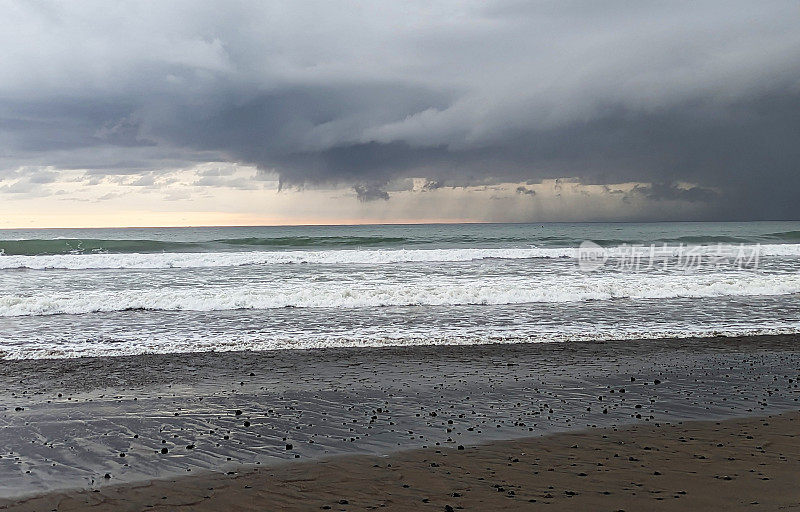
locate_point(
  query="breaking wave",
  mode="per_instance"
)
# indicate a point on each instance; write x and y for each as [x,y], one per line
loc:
[352,256]
[424,292]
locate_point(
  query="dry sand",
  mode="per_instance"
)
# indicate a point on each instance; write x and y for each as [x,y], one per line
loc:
[736,464]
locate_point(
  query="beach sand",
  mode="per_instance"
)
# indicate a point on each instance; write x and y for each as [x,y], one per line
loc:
[739,464]
[303,430]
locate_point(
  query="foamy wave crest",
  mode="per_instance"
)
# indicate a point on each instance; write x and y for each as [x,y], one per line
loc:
[235,259]
[344,257]
[431,291]
[474,336]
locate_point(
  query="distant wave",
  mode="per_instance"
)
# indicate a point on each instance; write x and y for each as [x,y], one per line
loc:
[432,291]
[233,259]
[784,235]
[89,246]
[311,241]
[345,256]
[706,240]
[49,247]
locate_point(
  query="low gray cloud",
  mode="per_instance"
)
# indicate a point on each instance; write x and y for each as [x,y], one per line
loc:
[370,192]
[432,185]
[30,182]
[222,181]
[42,177]
[705,93]
[148,180]
[672,192]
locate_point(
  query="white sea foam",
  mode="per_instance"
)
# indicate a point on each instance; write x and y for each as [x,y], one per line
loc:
[474,336]
[357,256]
[430,290]
[232,259]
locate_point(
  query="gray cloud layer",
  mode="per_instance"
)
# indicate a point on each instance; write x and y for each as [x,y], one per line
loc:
[459,92]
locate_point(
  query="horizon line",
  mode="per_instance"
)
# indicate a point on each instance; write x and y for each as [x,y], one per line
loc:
[404,223]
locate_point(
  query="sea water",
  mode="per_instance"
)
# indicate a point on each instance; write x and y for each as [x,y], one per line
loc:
[95,292]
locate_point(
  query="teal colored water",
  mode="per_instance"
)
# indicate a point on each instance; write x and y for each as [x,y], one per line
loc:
[220,239]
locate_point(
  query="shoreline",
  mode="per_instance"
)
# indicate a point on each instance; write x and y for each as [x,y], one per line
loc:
[762,340]
[736,464]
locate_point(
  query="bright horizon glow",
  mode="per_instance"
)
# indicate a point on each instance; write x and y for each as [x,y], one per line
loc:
[186,204]
[220,194]
[204,219]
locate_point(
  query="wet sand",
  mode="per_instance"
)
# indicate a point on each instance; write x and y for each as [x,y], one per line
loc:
[97,423]
[741,464]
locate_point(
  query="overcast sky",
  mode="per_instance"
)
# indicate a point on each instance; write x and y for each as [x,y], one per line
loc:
[290,112]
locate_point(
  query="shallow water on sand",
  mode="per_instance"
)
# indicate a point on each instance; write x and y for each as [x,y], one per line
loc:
[66,423]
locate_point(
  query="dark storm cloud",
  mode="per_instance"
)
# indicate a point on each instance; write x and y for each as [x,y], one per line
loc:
[698,100]
[670,192]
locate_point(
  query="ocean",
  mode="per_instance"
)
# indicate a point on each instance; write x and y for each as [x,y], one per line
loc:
[104,292]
